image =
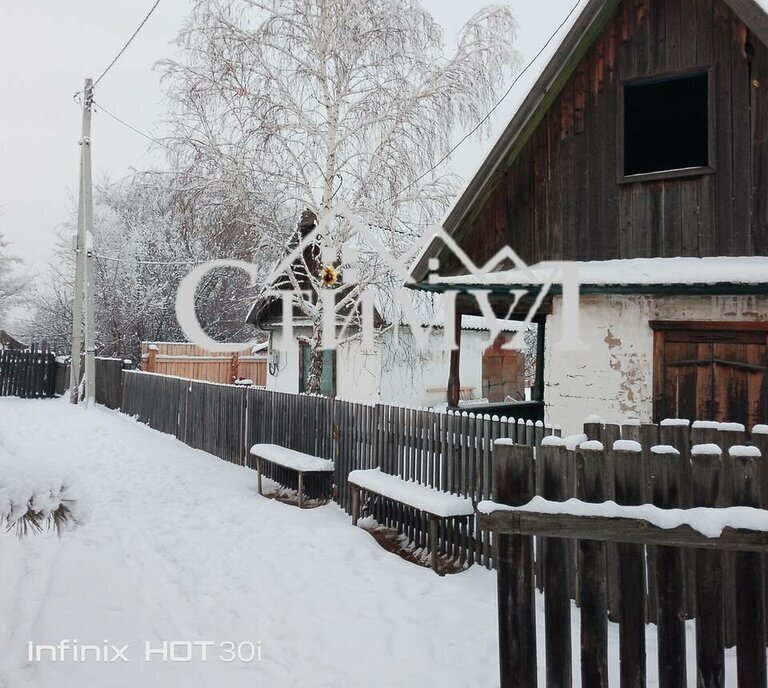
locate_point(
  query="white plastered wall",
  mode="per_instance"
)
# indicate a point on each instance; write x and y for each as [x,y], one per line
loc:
[286,378]
[613,377]
[394,378]
[407,382]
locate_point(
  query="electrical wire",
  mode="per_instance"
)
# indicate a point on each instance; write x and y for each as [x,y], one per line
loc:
[492,110]
[129,126]
[149,262]
[125,47]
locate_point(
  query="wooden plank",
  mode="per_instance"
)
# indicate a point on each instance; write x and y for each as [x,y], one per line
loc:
[750,585]
[513,484]
[678,437]
[710,629]
[593,592]
[629,491]
[608,435]
[665,472]
[724,178]
[551,461]
[620,530]
[759,130]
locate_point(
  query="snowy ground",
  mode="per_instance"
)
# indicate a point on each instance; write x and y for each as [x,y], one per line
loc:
[180,547]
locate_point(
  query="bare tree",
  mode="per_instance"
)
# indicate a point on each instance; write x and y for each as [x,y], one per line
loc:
[12,283]
[310,103]
[144,244]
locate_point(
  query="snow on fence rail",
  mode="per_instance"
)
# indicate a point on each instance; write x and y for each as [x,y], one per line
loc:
[450,452]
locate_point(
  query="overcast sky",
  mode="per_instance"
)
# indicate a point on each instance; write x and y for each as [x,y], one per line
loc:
[48,47]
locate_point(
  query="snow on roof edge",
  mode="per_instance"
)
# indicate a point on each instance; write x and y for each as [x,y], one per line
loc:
[638,272]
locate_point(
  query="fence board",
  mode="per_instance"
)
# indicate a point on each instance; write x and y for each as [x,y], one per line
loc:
[629,491]
[666,471]
[593,593]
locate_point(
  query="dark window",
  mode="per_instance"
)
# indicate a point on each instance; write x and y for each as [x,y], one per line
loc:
[666,125]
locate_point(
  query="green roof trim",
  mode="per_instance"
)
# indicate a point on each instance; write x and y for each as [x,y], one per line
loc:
[720,289]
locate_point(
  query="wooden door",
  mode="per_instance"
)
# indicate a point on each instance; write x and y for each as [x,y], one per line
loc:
[711,371]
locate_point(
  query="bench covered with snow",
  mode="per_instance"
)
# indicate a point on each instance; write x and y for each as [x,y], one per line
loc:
[299,462]
[435,503]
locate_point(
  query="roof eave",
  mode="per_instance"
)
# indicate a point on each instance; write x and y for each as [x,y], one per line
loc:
[718,289]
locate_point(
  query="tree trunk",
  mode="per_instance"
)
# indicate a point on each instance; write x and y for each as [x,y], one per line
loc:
[315,377]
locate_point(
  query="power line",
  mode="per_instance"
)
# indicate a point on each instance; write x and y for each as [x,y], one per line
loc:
[129,126]
[492,110]
[114,259]
[125,47]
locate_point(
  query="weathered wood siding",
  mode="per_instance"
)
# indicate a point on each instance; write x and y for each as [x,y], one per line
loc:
[561,198]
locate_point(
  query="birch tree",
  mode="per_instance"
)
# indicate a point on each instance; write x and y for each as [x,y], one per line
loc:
[314,103]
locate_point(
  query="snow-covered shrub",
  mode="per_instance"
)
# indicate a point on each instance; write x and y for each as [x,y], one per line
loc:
[37,495]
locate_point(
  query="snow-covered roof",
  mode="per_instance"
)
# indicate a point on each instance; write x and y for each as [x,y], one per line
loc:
[637,272]
[478,322]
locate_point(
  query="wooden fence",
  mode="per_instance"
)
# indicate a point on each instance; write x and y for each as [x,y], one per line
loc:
[193,362]
[28,373]
[448,451]
[109,380]
[629,569]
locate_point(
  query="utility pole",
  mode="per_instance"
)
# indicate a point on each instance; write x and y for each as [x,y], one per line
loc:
[84,265]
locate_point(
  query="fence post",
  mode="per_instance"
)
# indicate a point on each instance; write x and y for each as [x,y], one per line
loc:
[666,470]
[749,579]
[629,491]
[710,631]
[552,461]
[513,484]
[151,361]
[608,435]
[590,487]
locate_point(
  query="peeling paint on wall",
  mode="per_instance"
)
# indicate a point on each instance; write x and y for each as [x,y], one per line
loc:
[613,378]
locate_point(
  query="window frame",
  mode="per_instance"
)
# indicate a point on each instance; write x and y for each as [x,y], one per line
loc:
[303,373]
[682,172]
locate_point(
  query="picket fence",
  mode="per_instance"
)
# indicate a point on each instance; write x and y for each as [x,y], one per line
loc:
[449,451]
[109,380]
[452,452]
[629,570]
[28,373]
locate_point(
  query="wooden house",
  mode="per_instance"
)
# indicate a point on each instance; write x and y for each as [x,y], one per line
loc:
[641,152]
[396,369]
[9,342]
